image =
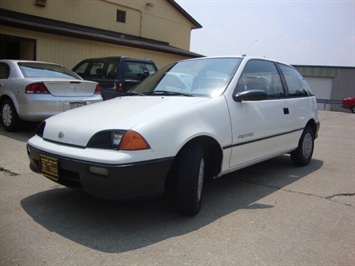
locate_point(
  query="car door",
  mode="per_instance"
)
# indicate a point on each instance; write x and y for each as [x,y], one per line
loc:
[259,127]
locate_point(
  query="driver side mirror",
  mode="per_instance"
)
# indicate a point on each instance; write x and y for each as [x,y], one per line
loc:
[250,95]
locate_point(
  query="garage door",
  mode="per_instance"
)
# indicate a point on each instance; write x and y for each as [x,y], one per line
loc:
[322,89]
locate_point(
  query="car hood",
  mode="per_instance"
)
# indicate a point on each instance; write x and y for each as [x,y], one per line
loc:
[77,126]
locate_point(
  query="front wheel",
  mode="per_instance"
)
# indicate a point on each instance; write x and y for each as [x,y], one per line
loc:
[303,154]
[9,117]
[353,109]
[190,177]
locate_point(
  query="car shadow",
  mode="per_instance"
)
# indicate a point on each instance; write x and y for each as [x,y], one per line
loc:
[26,131]
[114,227]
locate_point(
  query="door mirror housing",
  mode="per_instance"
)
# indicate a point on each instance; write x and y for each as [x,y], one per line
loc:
[250,95]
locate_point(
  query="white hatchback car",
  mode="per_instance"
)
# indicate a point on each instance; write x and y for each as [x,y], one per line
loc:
[192,120]
[34,90]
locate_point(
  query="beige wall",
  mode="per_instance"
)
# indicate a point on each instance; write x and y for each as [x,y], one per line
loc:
[69,51]
[162,22]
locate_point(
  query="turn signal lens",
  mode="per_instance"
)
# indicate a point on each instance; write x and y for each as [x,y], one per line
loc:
[133,141]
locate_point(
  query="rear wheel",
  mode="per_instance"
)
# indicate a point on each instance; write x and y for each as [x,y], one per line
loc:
[303,154]
[9,117]
[190,177]
[353,109]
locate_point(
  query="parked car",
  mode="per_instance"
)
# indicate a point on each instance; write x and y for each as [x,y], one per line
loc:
[349,103]
[233,113]
[116,74]
[34,91]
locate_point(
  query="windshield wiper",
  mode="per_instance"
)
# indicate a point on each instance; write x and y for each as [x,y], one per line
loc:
[132,93]
[162,92]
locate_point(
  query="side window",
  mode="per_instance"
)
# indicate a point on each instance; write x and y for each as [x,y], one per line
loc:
[261,75]
[81,69]
[296,85]
[96,69]
[112,69]
[4,71]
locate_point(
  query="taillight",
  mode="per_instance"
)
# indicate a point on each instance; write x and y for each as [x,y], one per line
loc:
[36,88]
[119,87]
[98,89]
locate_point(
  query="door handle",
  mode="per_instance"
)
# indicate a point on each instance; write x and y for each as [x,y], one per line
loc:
[286,111]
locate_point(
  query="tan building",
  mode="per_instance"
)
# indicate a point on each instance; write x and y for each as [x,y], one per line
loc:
[66,32]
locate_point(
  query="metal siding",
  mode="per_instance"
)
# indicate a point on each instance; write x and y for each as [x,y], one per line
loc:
[310,71]
[69,51]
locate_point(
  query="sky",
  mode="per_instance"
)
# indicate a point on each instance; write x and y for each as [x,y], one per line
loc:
[300,32]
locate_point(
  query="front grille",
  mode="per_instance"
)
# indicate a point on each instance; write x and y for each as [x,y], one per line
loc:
[69,175]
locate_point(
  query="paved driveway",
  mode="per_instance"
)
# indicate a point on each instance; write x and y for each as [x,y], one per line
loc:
[269,214]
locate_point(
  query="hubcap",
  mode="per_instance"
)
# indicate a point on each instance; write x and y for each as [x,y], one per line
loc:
[307,145]
[200,179]
[6,115]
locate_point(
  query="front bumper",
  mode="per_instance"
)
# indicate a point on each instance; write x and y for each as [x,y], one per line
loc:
[120,182]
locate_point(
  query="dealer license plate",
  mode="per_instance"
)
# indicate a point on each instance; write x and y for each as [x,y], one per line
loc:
[49,166]
[76,104]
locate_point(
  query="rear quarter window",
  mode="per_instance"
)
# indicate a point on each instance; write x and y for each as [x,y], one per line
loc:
[81,69]
[296,85]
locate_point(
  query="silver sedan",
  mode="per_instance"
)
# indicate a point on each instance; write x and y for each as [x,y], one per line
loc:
[34,91]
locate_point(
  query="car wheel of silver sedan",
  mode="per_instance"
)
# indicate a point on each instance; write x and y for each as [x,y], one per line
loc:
[9,116]
[190,177]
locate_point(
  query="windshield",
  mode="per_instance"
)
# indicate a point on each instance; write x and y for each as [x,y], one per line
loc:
[198,77]
[43,70]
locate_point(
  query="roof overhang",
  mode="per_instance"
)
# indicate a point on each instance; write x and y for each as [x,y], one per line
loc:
[195,24]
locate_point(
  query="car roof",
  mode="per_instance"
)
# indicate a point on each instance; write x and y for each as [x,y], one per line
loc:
[246,57]
[15,61]
[117,57]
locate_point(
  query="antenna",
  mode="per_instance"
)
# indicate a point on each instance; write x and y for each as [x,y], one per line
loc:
[250,45]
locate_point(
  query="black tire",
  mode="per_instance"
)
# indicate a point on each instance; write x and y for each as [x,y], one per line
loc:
[353,109]
[9,117]
[190,176]
[303,154]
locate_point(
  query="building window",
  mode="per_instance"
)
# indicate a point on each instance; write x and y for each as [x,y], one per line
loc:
[121,16]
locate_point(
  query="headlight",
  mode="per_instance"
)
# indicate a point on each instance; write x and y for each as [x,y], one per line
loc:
[116,137]
[118,140]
